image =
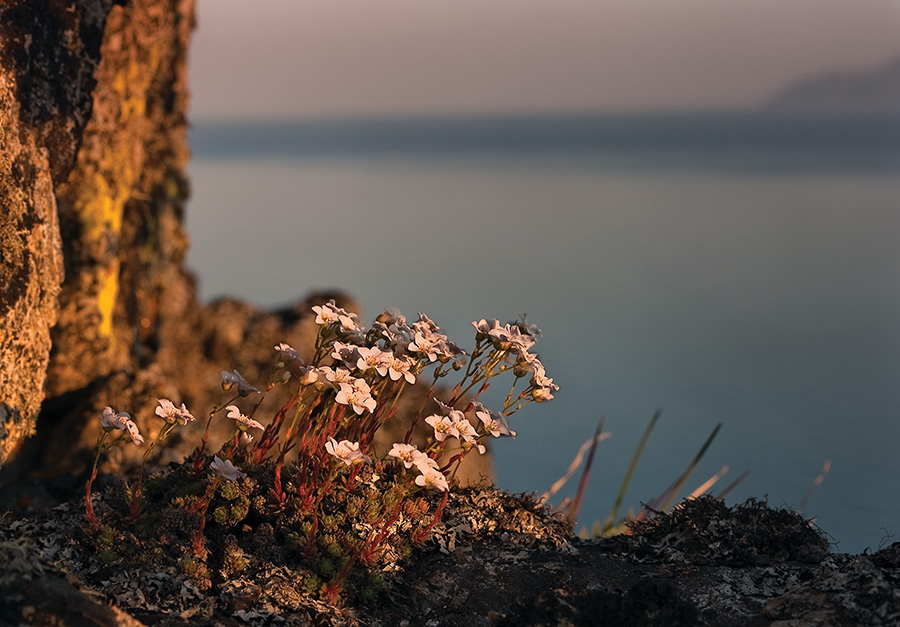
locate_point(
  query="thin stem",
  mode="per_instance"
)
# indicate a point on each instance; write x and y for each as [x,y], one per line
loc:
[89,507]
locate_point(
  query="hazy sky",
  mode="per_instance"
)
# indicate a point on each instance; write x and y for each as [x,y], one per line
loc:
[291,58]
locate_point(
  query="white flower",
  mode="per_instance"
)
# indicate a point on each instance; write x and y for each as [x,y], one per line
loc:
[330,313]
[423,461]
[483,328]
[529,329]
[308,375]
[347,353]
[234,378]
[406,453]
[431,342]
[287,353]
[338,375]
[534,365]
[510,337]
[432,478]
[443,426]
[168,412]
[357,395]
[397,335]
[110,420]
[493,422]
[374,359]
[243,422]
[526,362]
[468,434]
[544,393]
[345,450]
[453,414]
[426,345]
[400,367]
[389,316]
[184,415]
[542,386]
[465,429]
[166,409]
[226,469]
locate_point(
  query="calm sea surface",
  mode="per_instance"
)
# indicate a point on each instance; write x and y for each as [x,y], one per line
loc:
[727,268]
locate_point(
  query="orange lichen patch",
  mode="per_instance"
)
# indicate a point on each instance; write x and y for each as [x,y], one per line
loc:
[133,82]
[106,298]
[100,205]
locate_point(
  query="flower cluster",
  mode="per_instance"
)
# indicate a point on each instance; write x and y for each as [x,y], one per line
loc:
[111,420]
[338,400]
[411,456]
[364,371]
[514,339]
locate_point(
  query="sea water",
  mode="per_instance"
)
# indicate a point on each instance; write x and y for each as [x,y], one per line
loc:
[734,269]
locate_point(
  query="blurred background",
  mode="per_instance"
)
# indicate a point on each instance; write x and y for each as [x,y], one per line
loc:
[698,202]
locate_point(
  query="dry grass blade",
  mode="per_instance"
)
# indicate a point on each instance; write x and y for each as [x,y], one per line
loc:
[706,485]
[687,473]
[572,514]
[815,485]
[731,486]
[576,462]
[610,521]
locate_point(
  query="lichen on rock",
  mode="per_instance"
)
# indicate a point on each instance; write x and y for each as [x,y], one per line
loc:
[494,559]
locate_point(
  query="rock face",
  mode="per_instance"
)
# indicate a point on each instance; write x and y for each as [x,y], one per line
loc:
[128,311]
[48,52]
[126,296]
[93,95]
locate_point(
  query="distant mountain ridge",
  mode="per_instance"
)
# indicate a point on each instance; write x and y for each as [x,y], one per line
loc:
[876,92]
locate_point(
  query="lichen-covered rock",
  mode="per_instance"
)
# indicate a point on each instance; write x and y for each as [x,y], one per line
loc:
[845,591]
[126,298]
[48,51]
[93,99]
[494,560]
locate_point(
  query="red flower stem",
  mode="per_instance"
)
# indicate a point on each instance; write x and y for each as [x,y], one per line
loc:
[270,434]
[198,539]
[277,492]
[382,533]
[307,422]
[437,515]
[351,478]
[418,417]
[89,507]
